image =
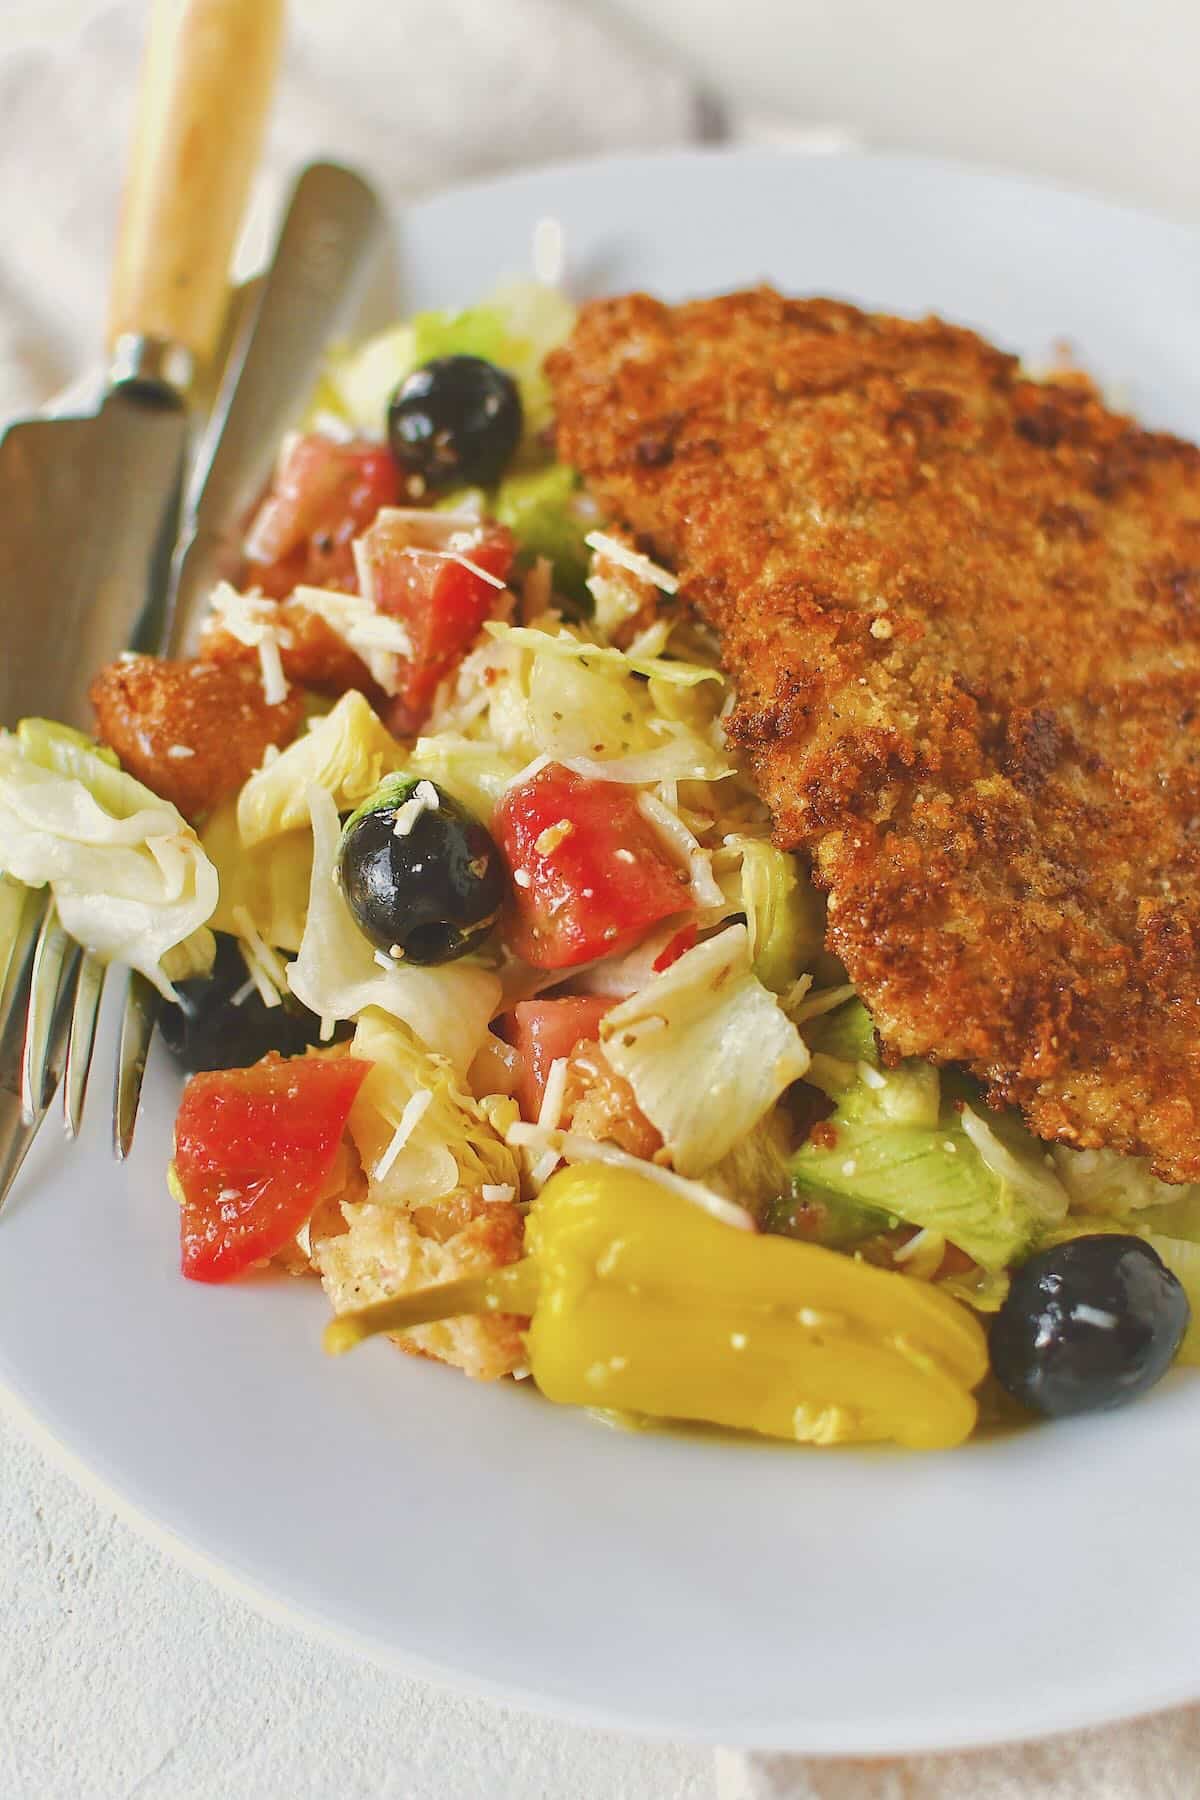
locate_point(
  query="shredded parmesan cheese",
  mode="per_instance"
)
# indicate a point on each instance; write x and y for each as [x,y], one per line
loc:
[528,772]
[465,562]
[377,638]
[497,1193]
[576,1148]
[633,560]
[424,798]
[553,1095]
[825,1000]
[415,1109]
[685,849]
[263,965]
[254,622]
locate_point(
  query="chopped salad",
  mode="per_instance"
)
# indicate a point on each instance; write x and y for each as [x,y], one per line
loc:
[504,1016]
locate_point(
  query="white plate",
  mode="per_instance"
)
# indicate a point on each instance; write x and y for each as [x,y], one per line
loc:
[824,1601]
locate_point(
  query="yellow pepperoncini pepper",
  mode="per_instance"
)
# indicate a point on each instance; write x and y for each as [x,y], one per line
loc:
[641,1302]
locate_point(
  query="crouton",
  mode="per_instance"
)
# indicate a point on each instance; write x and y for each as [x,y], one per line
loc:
[192,731]
[386,1251]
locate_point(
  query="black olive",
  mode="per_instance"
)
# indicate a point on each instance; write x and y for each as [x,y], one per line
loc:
[456,419]
[207,1030]
[420,874]
[1088,1325]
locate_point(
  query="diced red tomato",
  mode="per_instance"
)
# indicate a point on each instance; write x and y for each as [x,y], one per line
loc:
[253,1148]
[544,1030]
[323,495]
[441,603]
[675,947]
[590,874]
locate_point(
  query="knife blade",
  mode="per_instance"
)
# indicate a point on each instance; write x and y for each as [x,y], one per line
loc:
[330,251]
[88,515]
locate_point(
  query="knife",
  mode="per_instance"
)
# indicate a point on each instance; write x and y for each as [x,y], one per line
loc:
[89,505]
[330,254]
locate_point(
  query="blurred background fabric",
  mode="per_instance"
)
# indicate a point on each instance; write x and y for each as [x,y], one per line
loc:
[419,92]
[123,1673]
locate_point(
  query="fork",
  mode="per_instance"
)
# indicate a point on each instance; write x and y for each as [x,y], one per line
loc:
[328,248]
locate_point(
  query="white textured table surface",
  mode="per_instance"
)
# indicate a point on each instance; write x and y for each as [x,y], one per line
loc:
[123,1674]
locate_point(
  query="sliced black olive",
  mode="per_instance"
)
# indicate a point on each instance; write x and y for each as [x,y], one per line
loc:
[455,420]
[208,1030]
[1088,1325]
[422,877]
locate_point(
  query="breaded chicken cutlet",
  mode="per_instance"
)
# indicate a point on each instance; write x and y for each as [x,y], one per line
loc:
[962,613]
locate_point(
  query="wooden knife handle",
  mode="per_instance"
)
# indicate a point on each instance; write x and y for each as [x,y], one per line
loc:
[206,84]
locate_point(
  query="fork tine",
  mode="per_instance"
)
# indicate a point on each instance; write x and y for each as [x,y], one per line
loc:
[13,902]
[137,1029]
[14,999]
[16,1134]
[55,963]
[81,1042]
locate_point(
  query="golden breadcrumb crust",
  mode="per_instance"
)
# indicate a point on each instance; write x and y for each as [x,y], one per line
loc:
[962,611]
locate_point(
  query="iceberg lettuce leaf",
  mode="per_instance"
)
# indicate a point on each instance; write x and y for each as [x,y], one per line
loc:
[129,876]
[706,1049]
[347,752]
[446,1144]
[271,880]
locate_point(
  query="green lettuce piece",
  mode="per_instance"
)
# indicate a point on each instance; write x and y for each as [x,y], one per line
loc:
[917,1148]
[835,1221]
[784,913]
[129,876]
[515,329]
[845,1033]
[933,1179]
[538,507]
[847,1066]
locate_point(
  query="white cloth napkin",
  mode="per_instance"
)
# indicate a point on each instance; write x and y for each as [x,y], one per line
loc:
[420,93]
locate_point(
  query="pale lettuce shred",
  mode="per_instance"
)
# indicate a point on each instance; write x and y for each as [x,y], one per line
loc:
[347,752]
[270,881]
[706,1049]
[588,706]
[129,877]
[338,975]
[420,1134]
[470,769]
